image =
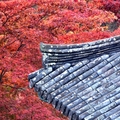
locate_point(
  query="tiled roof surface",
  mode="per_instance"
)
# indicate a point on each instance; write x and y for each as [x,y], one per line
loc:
[81,80]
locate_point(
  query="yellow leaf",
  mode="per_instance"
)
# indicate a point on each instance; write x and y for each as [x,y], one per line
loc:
[1,37]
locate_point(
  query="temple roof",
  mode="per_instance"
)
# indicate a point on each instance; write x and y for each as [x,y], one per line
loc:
[81,80]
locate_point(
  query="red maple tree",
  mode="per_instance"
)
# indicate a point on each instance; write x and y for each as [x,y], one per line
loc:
[23,25]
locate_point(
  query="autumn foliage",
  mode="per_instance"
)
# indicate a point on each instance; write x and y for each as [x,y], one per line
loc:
[23,25]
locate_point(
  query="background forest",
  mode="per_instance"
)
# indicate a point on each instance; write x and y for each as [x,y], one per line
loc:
[26,23]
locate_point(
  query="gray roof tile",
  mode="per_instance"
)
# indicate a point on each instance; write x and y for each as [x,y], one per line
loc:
[114,113]
[81,80]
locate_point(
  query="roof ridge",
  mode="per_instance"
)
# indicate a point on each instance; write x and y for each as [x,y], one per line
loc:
[57,56]
[45,47]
